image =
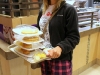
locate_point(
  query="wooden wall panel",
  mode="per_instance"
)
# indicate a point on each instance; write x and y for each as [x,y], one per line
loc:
[93,46]
[79,54]
[36,71]
[5,66]
[98,47]
[17,67]
[0,67]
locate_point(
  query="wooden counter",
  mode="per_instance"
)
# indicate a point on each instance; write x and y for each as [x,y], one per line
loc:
[11,64]
[85,55]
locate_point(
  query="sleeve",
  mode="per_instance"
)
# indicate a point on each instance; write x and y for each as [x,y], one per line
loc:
[38,19]
[72,32]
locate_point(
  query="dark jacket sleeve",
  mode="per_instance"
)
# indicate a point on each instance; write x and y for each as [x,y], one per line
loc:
[39,16]
[72,33]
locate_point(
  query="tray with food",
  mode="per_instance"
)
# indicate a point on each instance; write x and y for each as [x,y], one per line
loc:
[28,40]
[32,57]
[29,47]
[26,30]
[23,52]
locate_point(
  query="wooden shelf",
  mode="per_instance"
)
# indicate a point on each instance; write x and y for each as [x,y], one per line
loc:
[86,18]
[86,23]
[17,3]
[82,16]
[29,8]
[28,3]
[19,7]
[84,12]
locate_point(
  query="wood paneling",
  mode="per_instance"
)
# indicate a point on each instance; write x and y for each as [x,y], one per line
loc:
[93,47]
[79,54]
[98,47]
[17,67]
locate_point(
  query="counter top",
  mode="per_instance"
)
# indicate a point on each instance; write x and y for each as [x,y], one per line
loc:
[10,55]
[5,51]
[88,30]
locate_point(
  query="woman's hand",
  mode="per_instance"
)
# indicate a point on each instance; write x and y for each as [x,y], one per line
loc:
[54,53]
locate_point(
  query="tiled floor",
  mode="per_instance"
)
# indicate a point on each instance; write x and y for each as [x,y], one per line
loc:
[94,70]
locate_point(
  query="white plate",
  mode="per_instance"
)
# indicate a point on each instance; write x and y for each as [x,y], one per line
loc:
[20,38]
[19,29]
[16,49]
[29,58]
[34,46]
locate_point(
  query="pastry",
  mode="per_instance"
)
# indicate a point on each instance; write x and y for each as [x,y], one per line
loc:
[29,46]
[24,51]
[29,31]
[24,45]
[31,39]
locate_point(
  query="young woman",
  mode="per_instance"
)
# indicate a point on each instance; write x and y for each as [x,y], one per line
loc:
[61,35]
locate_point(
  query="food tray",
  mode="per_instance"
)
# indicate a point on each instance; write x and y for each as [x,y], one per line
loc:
[20,38]
[31,60]
[17,48]
[18,30]
[34,46]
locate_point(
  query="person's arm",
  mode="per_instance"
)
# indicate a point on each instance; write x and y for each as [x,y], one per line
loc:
[72,33]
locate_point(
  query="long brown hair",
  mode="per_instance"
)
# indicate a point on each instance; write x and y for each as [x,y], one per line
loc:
[46,3]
